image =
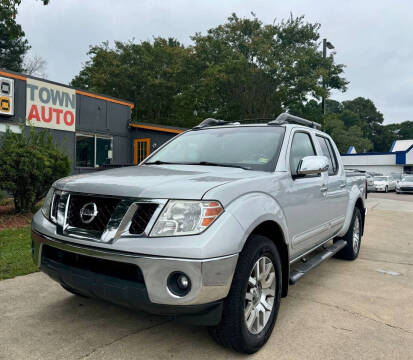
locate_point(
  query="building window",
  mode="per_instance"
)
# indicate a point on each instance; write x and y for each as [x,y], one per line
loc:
[93,150]
[85,150]
[408,170]
[103,151]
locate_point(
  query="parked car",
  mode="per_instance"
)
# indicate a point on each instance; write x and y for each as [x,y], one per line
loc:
[211,228]
[396,177]
[405,185]
[384,183]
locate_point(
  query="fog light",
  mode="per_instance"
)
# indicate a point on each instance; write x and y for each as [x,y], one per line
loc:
[179,283]
[183,282]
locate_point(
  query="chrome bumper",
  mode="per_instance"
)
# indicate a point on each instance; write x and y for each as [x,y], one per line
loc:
[210,278]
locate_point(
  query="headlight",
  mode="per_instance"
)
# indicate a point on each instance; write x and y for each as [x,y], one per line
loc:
[186,217]
[48,203]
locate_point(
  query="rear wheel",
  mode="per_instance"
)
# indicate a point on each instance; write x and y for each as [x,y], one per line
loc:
[353,238]
[251,308]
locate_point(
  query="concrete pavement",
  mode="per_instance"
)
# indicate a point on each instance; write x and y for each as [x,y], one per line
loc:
[341,310]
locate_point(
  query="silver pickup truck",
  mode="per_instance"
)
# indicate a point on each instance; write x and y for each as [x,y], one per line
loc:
[212,228]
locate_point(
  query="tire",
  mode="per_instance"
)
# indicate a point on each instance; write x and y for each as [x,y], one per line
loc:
[233,331]
[73,291]
[352,249]
[387,189]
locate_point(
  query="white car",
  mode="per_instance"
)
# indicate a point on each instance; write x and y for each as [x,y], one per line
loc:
[405,185]
[384,183]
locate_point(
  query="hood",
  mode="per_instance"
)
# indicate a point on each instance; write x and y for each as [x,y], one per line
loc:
[405,183]
[154,181]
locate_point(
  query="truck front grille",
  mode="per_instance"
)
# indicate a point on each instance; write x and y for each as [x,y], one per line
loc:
[105,207]
[142,217]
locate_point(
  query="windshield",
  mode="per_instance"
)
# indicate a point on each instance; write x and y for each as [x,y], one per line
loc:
[380,178]
[254,148]
[408,178]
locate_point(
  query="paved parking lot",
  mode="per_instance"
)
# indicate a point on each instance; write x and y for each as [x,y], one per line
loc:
[341,310]
[391,196]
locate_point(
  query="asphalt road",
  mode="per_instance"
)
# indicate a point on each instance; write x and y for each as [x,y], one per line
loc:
[391,196]
[341,310]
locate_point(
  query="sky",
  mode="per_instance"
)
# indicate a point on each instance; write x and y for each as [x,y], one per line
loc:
[373,38]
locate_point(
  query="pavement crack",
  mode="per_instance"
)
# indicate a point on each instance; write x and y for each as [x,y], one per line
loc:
[340,328]
[355,313]
[121,338]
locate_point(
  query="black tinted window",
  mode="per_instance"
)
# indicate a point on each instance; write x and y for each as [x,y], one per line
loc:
[301,147]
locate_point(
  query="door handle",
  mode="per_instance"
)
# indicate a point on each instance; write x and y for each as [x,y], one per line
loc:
[342,185]
[323,188]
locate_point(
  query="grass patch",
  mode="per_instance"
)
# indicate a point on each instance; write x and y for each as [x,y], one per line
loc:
[15,253]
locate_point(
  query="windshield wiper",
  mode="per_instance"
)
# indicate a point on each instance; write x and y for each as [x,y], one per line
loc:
[207,163]
[202,163]
[160,162]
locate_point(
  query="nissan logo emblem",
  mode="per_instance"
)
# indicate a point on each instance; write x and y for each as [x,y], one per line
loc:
[88,212]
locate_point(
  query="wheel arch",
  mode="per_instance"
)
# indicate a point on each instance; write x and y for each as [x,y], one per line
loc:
[274,232]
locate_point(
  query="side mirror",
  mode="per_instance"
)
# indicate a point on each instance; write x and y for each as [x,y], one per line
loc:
[312,165]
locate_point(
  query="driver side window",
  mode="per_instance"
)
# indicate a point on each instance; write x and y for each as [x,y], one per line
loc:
[301,147]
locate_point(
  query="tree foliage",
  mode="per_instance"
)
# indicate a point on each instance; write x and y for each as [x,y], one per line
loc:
[29,164]
[241,69]
[13,44]
[355,123]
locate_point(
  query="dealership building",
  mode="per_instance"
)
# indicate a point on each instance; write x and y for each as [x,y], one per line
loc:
[94,130]
[399,159]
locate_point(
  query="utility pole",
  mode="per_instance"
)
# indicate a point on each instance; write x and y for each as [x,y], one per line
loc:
[329,45]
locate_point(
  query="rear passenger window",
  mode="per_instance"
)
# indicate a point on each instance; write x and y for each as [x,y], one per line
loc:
[328,151]
[301,147]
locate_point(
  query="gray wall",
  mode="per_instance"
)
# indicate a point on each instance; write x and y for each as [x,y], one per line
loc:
[93,116]
[157,138]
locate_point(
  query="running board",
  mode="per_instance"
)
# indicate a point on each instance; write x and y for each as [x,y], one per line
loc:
[300,270]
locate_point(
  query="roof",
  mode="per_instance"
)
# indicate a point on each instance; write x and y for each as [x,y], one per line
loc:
[351,150]
[158,127]
[401,145]
[24,77]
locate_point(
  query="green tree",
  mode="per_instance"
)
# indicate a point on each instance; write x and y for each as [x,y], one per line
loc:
[310,110]
[29,164]
[250,69]
[369,116]
[345,137]
[241,69]
[405,130]
[13,44]
[153,75]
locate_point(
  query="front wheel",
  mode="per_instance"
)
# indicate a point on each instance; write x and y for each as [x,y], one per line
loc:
[353,238]
[387,189]
[251,308]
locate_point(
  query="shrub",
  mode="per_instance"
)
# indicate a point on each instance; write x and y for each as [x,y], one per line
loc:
[29,163]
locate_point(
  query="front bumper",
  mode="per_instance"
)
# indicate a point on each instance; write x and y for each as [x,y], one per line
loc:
[210,278]
[405,190]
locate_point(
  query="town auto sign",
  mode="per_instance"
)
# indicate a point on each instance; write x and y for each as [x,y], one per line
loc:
[50,106]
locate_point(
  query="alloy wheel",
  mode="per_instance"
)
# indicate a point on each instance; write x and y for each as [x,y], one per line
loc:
[356,235]
[260,294]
